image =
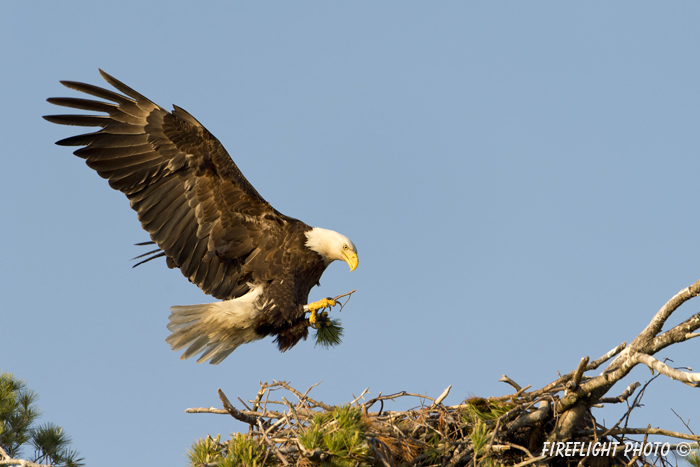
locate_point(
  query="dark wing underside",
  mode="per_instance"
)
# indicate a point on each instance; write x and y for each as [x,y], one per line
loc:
[199,209]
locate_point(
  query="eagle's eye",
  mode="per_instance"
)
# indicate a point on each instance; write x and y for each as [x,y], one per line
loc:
[345,246]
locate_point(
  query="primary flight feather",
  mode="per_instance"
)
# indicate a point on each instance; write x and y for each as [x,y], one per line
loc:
[208,221]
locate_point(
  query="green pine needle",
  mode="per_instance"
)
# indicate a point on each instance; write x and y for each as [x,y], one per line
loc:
[694,459]
[18,415]
[479,437]
[329,333]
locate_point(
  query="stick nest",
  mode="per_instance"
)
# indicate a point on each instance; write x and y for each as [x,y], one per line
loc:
[500,431]
[506,430]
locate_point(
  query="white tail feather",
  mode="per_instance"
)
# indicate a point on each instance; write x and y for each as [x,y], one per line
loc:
[217,328]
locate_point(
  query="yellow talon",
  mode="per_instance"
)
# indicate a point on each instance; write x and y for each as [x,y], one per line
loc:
[319,305]
[323,303]
[319,320]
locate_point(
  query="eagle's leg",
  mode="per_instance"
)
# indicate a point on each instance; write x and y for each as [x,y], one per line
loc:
[319,305]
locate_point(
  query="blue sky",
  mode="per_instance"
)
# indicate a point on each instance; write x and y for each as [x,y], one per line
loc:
[519,178]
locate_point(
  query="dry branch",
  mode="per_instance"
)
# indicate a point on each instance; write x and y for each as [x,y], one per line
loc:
[641,431]
[6,459]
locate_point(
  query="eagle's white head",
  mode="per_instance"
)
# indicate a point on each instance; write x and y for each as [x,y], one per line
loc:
[332,246]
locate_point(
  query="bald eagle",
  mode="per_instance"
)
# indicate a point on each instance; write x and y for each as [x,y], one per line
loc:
[208,221]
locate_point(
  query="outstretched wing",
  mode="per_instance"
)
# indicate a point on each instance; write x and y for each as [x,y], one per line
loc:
[197,206]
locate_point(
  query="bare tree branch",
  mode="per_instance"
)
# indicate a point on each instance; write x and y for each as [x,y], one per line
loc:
[207,410]
[629,390]
[442,396]
[235,413]
[691,379]
[5,459]
[506,379]
[640,431]
[596,363]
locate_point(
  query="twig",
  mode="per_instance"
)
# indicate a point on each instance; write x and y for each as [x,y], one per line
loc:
[399,394]
[674,447]
[303,397]
[521,391]
[349,295]
[207,410]
[310,388]
[258,396]
[531,418]
[683,421]
[576,379]
[596,363]
[373,444]
[635,403]
[442,396]
[22,462]
[639,431]
[669,307]
[531,461]
[235,413]
[291,408]
[361,396]
[515,446]
[622,397]
[272,445]
[244,404]
[7,460]
[691,379]
[506,379]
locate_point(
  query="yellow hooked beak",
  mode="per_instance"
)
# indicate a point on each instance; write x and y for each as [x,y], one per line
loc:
[351,259]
